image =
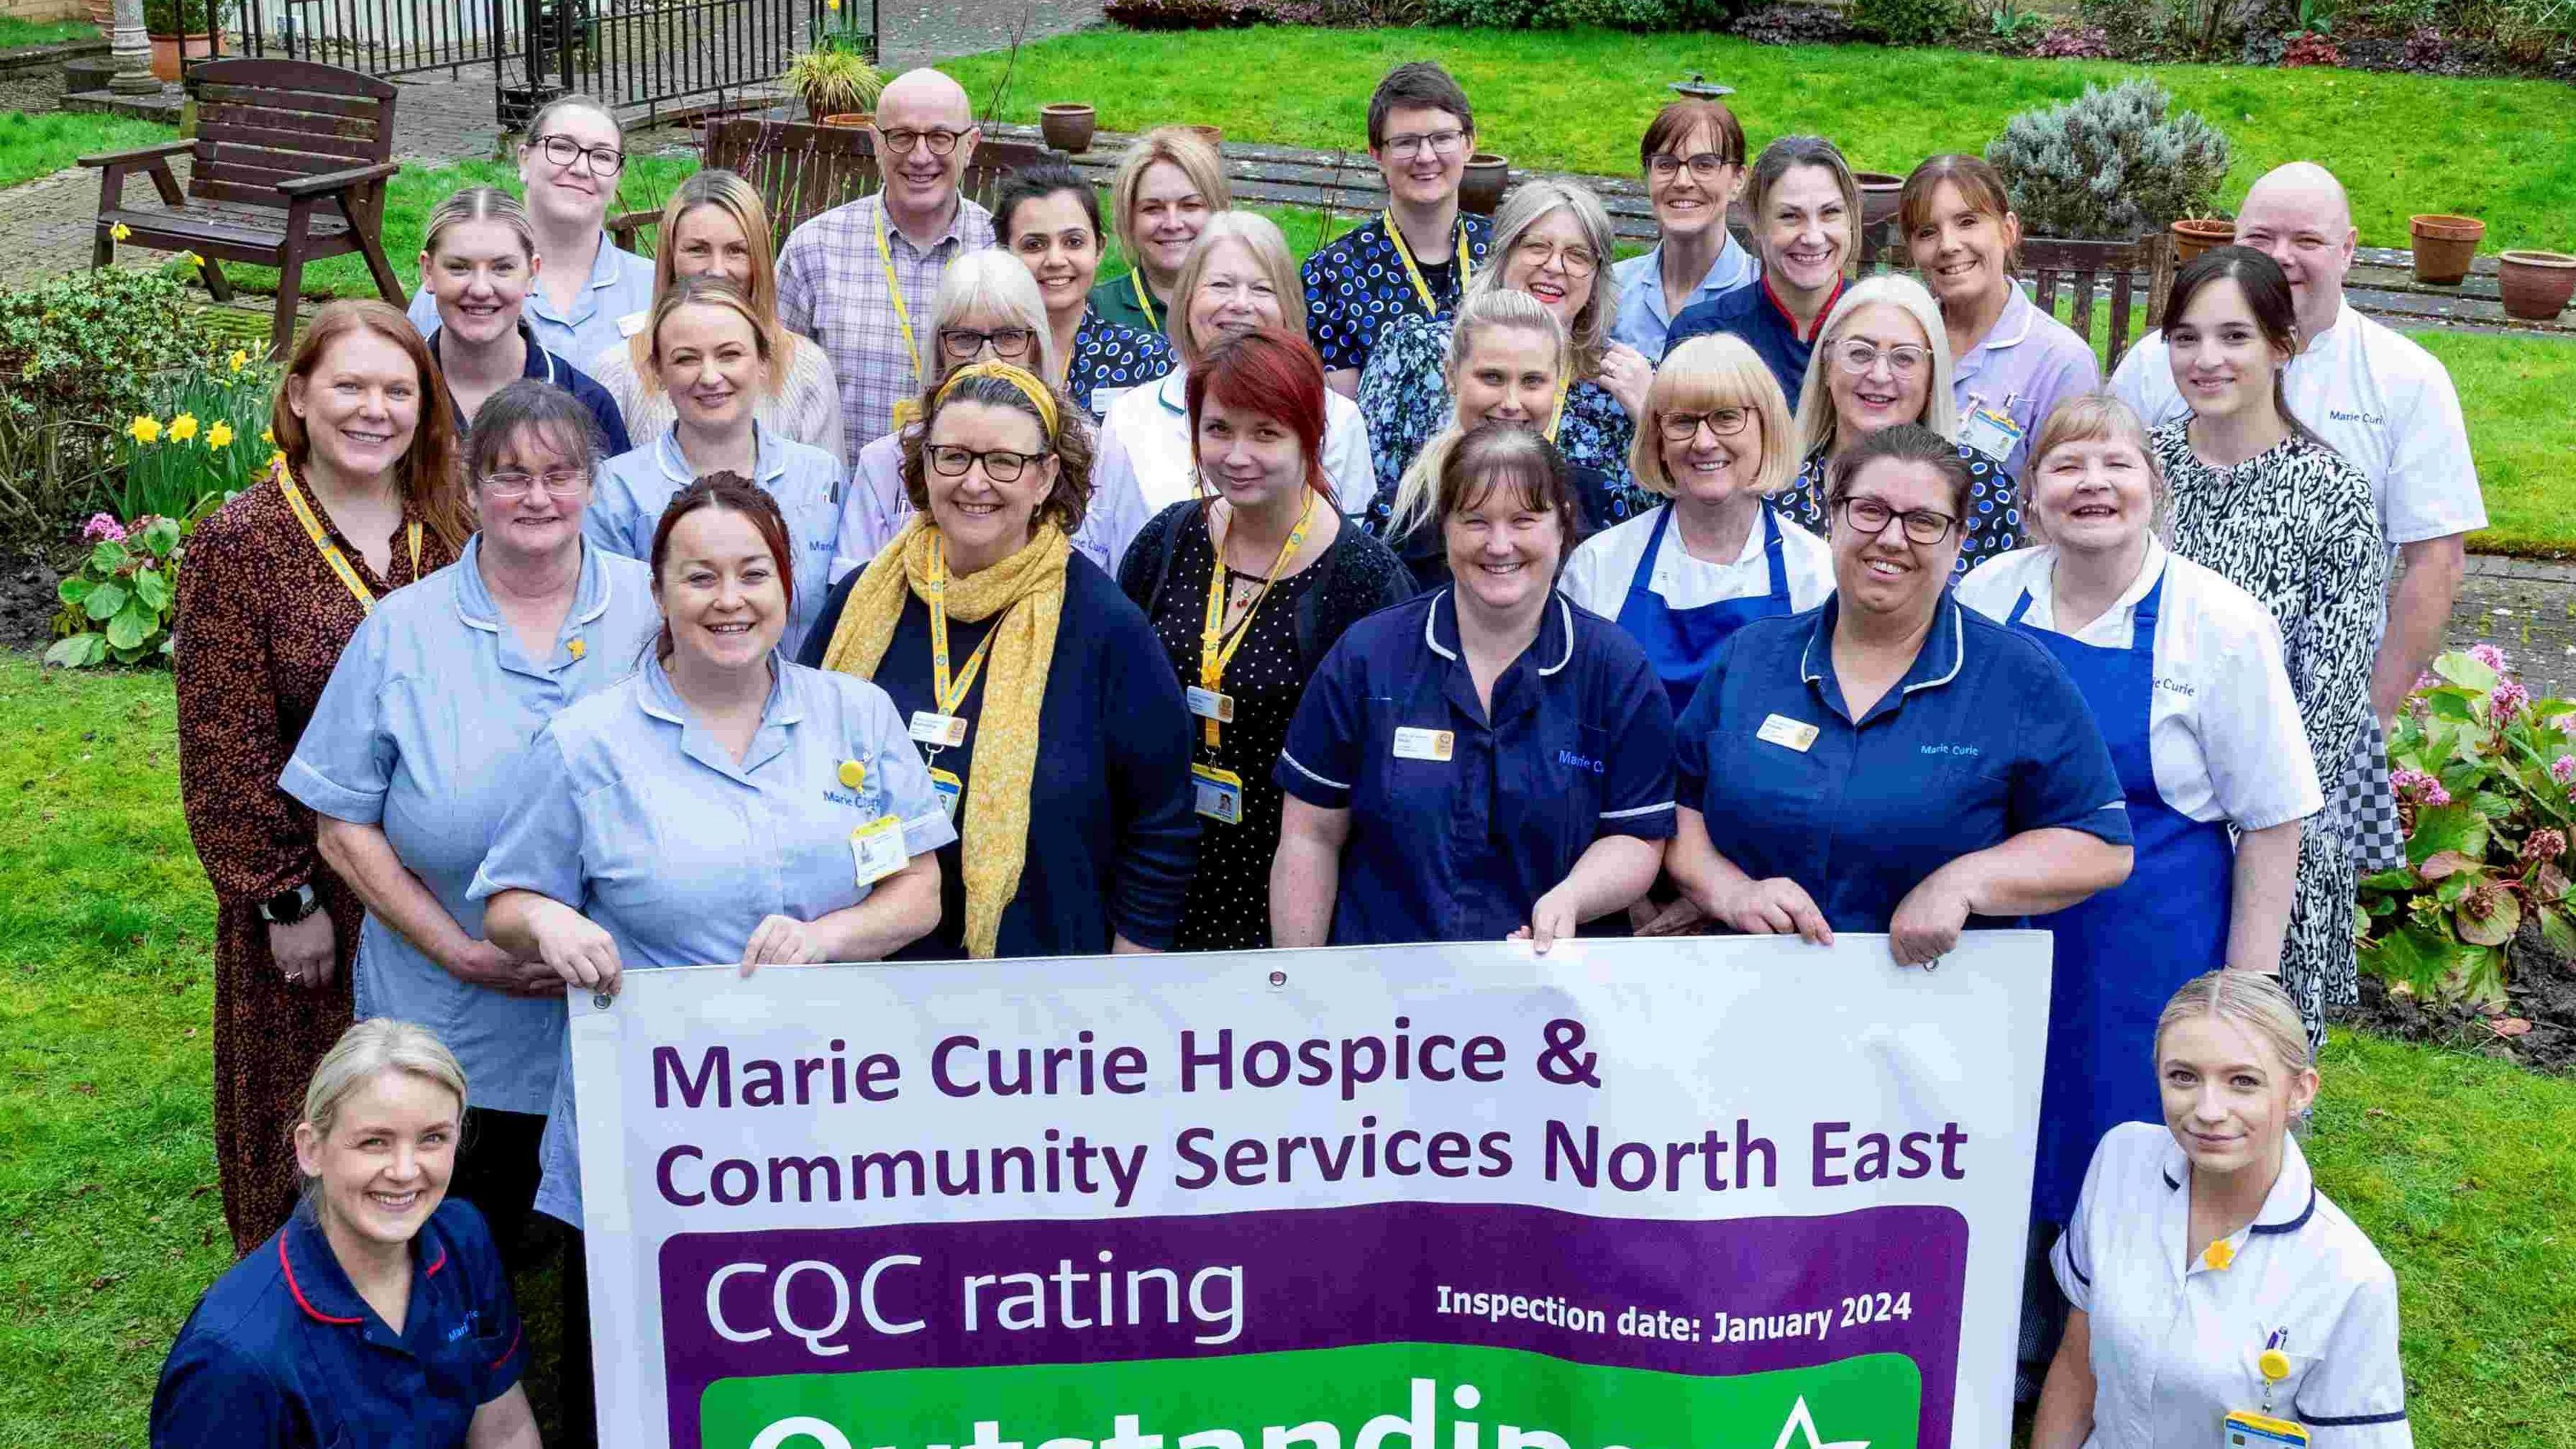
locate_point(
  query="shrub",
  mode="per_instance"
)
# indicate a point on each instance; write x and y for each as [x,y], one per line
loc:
[1181,14]
[118,604]
[2482,772]
[2109,165]
[2074,42]
[1568,14]
[2309,50]
[1794,24]
[1906,22]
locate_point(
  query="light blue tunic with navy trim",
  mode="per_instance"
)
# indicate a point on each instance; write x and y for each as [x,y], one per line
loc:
[631,812]
[416,733]
[634,488]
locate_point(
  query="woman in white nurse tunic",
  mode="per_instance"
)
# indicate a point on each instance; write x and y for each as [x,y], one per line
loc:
[2219,1298]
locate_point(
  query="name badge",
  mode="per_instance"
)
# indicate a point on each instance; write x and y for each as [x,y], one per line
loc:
[1105,398]
[944,730]
[1208,704]
[1788,733]
[1421,744]
[946,785]
[2245,1429]
[876,849]
[1217,794]
[1989,432]
[632,323]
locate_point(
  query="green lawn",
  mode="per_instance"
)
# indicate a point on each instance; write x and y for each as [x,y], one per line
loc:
[16,34]
[2462,1169]
[2514,392]
[33,145]
[1578,100]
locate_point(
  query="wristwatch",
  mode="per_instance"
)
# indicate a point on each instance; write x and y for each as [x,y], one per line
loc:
[288,907]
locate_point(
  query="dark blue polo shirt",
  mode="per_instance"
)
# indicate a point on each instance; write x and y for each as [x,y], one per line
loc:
[283,1352]
[1578,747]
[1754,313]
[1984,738]
[544,366]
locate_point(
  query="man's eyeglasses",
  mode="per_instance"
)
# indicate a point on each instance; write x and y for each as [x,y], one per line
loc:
[1577,260]
[1904,359]
[1725,422]
[961,343]
[561,150]
[1000,465]
[1922,525]
[902,142]
[559,482]
[1706,166]
[1443,144]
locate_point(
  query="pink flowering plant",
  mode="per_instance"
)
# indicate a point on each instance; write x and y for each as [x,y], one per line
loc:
[2481,771]
[118,604]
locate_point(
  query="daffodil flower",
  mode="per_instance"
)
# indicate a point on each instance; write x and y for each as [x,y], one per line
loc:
[183,427]
[191,259]
[144,429]
[269,436]
[220,436]
[119,232]
[239,360]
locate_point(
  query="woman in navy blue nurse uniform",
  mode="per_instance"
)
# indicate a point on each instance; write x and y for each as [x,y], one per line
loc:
[1888,762]
[2184,674]
[379,1315]
[1487,760]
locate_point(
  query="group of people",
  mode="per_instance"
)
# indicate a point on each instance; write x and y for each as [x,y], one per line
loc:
[908,595]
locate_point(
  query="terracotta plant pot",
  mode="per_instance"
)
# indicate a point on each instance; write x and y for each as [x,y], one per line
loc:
[1067,126]
[1213,135]
[1481,189]
[1878,193]
[2193,235]
[2536,285]
[849,120]
[102,13]
[169,50]
[2444,247]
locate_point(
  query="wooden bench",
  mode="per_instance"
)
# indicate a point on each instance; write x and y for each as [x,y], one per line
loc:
[2115,271]
[289,166]
[802,170]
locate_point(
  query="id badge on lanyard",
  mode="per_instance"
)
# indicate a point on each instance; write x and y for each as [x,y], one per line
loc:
[1217,794]
[2245,1429]
[1990,431]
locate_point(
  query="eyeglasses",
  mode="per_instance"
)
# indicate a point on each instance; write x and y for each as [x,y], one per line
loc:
[558,482]
[1577,260]
[1904,359]
[962,343]
[1443,144]
[1705,166]
[562,150]
[940,142]
[1001,466]
[1871,517]
[1725,422]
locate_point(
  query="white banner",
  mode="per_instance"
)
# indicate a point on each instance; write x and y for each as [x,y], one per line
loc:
[1709,1192]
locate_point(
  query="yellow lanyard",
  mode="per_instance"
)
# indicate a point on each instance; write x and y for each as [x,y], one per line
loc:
[1422,289]
[950,693]
[1144,299]
[894,289]
[1215,650]
[330,551]
[1556,416]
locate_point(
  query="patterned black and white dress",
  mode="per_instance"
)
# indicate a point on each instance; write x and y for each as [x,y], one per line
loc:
[2295,526]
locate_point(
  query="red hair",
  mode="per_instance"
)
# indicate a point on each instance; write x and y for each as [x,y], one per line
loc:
[1274,373]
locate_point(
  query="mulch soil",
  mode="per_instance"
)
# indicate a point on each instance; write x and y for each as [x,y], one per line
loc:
[2537,1028]
[27,601]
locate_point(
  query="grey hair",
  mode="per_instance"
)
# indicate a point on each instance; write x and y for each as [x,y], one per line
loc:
[1258,235]
[1528,205]
[996,284]
[1816,417]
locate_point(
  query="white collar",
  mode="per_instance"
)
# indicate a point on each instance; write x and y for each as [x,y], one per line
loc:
[2042,588]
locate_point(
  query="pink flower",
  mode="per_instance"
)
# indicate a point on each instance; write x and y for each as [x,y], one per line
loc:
[102,526]
[2427,680]
[2434,794]
[2543,845]
[2563,769]
[2422,788]
[2506,700]
[2488,655]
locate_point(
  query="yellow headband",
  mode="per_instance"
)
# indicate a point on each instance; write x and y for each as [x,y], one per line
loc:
[1038,394]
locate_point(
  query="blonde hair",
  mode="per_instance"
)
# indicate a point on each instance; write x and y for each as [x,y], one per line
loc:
[714,291]
[1816,418]
[1259,235]
[1530,203]
[365,1052]
[2247,999]
[478,203]
[1717,370]
[1495,309]
[2092,417]
[740,200]
[1182,150]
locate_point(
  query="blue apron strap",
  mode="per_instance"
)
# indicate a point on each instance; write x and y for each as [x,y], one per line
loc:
[2142,624]
[1774,553]
[2019,609]
[1645,571]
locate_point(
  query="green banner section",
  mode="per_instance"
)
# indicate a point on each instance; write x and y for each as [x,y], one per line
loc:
[1378,1396]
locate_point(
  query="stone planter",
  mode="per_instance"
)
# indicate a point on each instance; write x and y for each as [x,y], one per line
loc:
[2444,247]
[2536,285]
[849,120]
[1480,190]
[1878,195]
[2194,235]
[1067,126]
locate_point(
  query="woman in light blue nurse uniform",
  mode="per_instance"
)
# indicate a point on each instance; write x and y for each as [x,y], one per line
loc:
[716,357]
[1716,438]
[406,763]
[2183,672]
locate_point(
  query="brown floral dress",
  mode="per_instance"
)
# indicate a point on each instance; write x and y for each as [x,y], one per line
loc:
[261,620]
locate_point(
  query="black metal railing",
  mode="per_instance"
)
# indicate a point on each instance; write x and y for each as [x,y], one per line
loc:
[644,55]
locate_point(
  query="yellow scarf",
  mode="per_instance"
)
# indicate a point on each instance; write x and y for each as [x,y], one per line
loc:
[1002,751]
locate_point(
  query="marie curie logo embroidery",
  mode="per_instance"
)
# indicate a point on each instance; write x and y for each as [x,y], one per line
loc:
[1581,762]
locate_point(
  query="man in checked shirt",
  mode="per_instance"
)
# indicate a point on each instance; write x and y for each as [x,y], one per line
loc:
[860,279]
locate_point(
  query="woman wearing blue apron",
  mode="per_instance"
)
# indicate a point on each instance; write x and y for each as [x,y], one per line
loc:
[1715,438]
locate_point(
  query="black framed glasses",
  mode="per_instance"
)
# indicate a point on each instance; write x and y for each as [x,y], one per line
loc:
[1443,144]
[1704,166]
[1904,359]
[1871,516]
[1682,427]
[562,150]
[1001,465]
[939,140]
[558,482]
[961,343]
